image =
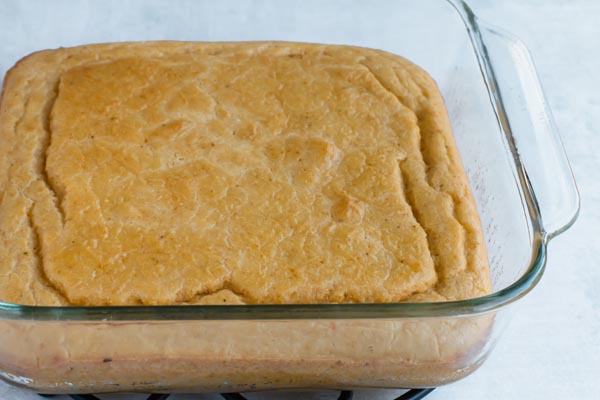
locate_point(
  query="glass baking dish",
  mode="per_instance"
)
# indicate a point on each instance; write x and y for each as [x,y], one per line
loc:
[510,148]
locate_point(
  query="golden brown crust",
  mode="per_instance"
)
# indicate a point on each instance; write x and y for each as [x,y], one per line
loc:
[164,172]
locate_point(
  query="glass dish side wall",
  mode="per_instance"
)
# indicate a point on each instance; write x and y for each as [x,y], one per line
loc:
[225,356]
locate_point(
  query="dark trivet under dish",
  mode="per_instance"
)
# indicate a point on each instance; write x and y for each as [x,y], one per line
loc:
[413,394]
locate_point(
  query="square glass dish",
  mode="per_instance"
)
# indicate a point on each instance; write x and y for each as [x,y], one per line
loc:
[511,151]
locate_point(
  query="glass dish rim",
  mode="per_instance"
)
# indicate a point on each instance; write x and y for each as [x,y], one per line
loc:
[480,305]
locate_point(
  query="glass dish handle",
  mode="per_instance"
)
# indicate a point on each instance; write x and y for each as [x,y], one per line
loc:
[526,119]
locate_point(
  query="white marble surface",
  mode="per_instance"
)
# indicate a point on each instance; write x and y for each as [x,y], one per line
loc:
[551,349]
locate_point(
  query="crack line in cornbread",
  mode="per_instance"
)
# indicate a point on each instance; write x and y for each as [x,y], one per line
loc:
[403,175]
[45,142]
[36,248]
[426,164]
[431,132]
[45,145]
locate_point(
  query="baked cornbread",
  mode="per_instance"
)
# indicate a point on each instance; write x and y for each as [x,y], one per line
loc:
[173,172]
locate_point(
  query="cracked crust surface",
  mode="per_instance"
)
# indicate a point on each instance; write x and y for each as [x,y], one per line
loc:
[173,172]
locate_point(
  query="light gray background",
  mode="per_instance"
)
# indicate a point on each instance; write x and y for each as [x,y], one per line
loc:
[551,349]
